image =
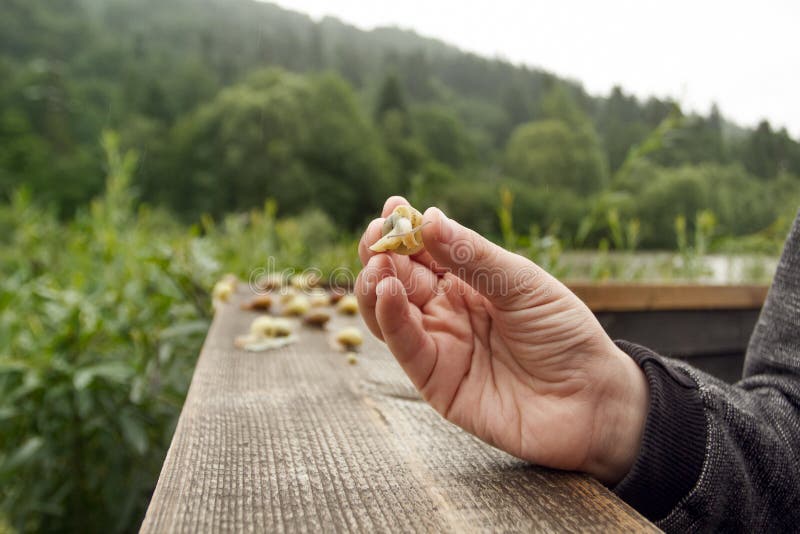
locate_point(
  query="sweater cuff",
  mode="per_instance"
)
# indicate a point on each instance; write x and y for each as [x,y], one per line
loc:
[673,446]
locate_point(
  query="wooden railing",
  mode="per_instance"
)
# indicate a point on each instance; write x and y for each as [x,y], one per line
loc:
[662,297]
[298,440]
[708,325]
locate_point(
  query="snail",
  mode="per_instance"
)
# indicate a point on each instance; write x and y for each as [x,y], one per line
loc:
[266,333]
[401,232]
[298,306]
[349,339]
[348,305]
[271,281]
[304,280]
[287,294]
[267,326]
[319,298]
[336,295]
[259,302]
[317,317]
[223,289]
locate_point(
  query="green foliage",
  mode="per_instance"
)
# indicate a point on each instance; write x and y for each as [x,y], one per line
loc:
[184,84]
[102,319]
[553,153]
[277,137]
[691,255]
[390,98]
[98,346]
[545,250]
[742,205]
[444,137]
[301,141]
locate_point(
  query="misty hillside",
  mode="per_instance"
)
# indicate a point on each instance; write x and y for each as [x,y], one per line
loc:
[178,75]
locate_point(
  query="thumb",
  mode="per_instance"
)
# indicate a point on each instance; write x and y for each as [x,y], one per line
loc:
[508,280]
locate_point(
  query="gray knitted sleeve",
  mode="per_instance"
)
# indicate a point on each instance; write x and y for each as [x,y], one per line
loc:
[720,457]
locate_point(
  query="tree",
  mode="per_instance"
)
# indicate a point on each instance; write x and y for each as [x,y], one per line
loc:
[622,126]
[300,140]
[551,153]
[390,98]
[766,153]
[443,135]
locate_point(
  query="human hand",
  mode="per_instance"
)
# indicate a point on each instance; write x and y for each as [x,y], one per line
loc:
[504,350]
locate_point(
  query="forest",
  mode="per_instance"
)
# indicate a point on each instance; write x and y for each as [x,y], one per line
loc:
[147,147]
[233,102]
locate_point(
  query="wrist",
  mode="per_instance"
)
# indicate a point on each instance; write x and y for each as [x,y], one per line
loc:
[619,422]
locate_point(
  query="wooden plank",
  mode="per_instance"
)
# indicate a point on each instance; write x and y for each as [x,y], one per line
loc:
[641,297]
[298,440]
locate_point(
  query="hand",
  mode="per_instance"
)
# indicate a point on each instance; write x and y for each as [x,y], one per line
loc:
[504,350]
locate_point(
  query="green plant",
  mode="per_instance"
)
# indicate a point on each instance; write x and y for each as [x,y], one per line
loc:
[98,341]
[690,259]
[544,249]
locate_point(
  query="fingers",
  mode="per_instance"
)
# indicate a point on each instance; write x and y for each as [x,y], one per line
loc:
[373,233]
[391,203]
[366,284]
[403,331]
[508,280]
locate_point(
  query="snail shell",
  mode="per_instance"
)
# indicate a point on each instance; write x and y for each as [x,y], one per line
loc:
[348,305]
[304,280]
[349,339]
[267,326]
[319,298]
[298,306]
[269,282]
[259,302]
[317,317]
[336,295]
[222,291]
[287,294]
[401,232]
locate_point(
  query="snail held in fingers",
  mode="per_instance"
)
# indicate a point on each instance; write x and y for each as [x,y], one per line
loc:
[401,232]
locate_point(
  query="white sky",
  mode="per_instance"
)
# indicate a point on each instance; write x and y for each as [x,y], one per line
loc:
[743,55]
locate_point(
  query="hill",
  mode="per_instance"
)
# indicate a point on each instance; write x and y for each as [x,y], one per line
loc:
[416,115]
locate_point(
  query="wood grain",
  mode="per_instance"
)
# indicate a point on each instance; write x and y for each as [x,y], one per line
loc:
[650,297]
[297,440]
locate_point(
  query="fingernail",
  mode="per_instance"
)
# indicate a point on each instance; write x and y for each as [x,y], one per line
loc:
[384,288]
[447,228]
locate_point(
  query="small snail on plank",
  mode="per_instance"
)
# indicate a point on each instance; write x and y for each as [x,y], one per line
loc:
[296,307]
[317,317]
[266,333]
[259,302]
[348,305]
[348,339]
[402,232]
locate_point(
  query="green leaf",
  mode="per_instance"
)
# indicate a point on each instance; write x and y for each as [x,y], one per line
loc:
[184,329]
[134,433]
[8,364]
[22,454]
[111,371]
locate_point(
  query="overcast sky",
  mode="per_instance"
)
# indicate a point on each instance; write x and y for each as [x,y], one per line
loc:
[743,55]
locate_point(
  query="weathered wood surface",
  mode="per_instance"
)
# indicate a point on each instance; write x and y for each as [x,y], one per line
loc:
[650,297]
[298,440]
